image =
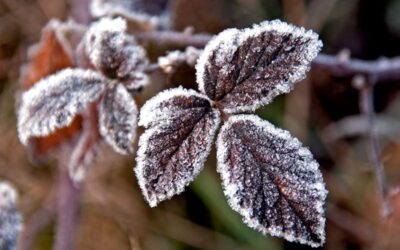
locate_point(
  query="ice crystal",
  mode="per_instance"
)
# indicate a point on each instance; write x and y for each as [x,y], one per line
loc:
[115,53]
[271,180]
[180,127]
[10,219]
[117,119]
[170,62]
[245,69]
[53,102]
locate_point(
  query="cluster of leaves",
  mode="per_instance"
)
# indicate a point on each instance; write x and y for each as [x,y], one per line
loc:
[267,175]
[111,63]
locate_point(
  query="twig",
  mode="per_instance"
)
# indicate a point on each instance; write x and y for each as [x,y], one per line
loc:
[366,89]
[67,207]
[75,156]
[382,69]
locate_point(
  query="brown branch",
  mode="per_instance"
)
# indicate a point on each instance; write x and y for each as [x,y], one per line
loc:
[366,90]
[67,207]
[381,69]
[74,157]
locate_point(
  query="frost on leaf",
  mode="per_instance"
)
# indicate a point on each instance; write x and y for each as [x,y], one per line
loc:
[50,55]
[245,69]
[180,127]
[115,53]
[10,218]
[54,101]
[271,180]
[117,119]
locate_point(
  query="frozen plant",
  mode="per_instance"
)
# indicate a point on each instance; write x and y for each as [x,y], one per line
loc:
[110,66]
[268,177]
[10,218]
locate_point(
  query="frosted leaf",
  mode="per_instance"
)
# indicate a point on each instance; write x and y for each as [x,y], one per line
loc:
[115,53]
[180,127]
[128,9]
[271,180]
[53,102]
[245,69]
[117,119]
[10,218]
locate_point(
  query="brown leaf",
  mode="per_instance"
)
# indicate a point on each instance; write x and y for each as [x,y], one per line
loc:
[271,180]
[245,69]
[48,57]
[180,127]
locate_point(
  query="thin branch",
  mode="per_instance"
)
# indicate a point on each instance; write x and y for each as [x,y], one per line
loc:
[73,157]
[366,90]
[67,207]
[382,69]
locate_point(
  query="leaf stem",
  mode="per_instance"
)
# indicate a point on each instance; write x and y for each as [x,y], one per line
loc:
[366,91]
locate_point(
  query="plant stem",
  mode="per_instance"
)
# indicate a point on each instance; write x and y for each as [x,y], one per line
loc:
[67,207]
[366,90]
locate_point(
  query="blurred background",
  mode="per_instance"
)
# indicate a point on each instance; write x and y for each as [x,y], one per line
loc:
[323,112]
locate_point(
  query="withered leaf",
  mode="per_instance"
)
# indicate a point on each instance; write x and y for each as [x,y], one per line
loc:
[54,101]
[245,69]
[115,53]
[50,55]
[271,180]
[47,57]
[180,127]
[117,119]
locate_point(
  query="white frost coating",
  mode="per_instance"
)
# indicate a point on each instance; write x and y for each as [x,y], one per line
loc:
[154,117]
[124,8]
[173,59]
[112,51]
[230,189]
[118,120]
[180,186]
[151,112]
[227,42]
[94,36]
[8,195]
[54,101]
[10,218]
